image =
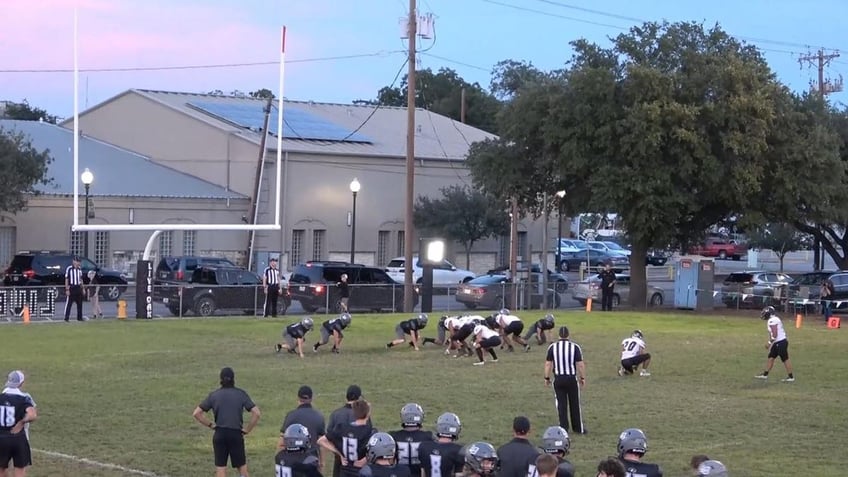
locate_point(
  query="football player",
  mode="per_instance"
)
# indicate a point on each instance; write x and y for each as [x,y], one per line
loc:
[555,441]
[632,447]
[333,328]
[777,346]
[633,354]
[296,457]
[539,329]
[294,335]
[464,328]
[481,460]
[443,454]
[485,339]
[440,339]
[509,324]
[410,437]
[712,468]
[409,327]
[381,450]
[348,440]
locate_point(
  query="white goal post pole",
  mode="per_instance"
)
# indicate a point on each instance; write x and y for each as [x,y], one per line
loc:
[279,171]
[148,249]
[166,227]
[76,116]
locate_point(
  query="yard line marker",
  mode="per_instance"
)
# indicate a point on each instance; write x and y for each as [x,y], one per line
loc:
[94,463]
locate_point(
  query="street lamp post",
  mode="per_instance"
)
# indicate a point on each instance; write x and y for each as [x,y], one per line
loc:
[561,196]
[87,178]
[354,188]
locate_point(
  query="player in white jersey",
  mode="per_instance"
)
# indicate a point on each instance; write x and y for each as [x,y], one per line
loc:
[485,339]
[462,329]
[509,324]
[633,354]
[777,345]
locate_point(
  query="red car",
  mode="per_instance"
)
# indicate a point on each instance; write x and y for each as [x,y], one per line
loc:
[720,248]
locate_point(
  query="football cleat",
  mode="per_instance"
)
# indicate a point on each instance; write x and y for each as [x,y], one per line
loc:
[621,371]
[479,363]
[788,380]
[761,376]
[278,347]
[644,373]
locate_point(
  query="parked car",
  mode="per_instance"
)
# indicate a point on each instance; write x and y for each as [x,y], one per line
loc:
[182,268]
[444,274]
[558,280]
[569,245]
[571,261]
[805,290]
[43,269]
[314,285]
[720,248]
[210,289]
[754,289]
[493,292]
[613,247]
[657,258]
[582,290]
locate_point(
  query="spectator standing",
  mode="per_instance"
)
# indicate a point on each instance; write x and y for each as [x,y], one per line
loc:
[565,363]
[94,282]
[74,289]
[228,404]
[271,286]
[607,277]
[344,293]
[307,416]
[827,291]
[518,456]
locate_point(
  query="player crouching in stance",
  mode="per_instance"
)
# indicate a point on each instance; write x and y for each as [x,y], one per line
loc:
[461,329]
[555,442]
[333,328]
[485,339]
[508,324]
[409,327]
[540,329]
[296,457]
[633,354]
[440,330]
[777,345]
[294,335]
[481,460]
[381,452]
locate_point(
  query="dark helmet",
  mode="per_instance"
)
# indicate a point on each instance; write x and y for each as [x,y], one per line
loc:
[555,440]
[767,312]
[637,334]
[381,446]
[492,321]
[478,454]
[296,438]
[442,321]
[632,441]
[448,425]
[411,414]
[712,468]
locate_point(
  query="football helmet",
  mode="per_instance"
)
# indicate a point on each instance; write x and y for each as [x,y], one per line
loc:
[448,425]
[632,441]
[555,440]
[549,320]
[422,320]
[637,334]
[307,323]
[712,468]
[346,318]
[442,321]
[482,458]
[296,438]
[504,311]
[411,414]
[767,312]
[492,321]
[380,446]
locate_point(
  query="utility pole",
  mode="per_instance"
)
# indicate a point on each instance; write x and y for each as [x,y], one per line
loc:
[408,229]
[825,86]
[462,107]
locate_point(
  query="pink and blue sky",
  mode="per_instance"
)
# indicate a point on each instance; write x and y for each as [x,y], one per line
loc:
[471,36]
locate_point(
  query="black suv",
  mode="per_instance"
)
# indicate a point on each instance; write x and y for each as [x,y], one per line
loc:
[44,269]
[370,287]
[181,268]
[218,288]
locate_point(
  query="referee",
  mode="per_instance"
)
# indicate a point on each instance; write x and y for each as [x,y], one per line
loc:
[271,284]
[565,362]
[73,289]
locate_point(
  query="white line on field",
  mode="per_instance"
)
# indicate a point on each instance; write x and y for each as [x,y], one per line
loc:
[94,463]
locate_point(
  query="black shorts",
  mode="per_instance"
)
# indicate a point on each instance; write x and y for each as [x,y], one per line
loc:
[462,333]
[15,449]
[779,349]
[514,328]
[492,342]
[630,364]
[229,443]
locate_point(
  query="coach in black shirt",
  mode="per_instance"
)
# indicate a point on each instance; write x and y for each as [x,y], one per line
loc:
[271,285]
[607,277]
[565,364]
[518,456]
[308,417]
[228,403]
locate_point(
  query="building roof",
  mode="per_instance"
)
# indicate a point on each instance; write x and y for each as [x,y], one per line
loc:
[346,129]
[117,172]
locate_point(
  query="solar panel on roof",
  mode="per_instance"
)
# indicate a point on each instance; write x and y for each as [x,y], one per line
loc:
[298,124]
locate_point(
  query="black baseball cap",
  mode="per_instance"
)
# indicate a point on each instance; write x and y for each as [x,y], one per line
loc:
[305,392]
[227,374]
[354,392]
[273,259]
[521,425]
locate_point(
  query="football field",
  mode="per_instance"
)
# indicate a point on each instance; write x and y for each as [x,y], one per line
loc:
[115,397]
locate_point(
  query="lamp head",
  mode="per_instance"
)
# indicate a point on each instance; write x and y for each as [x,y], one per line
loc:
[87,177]
[355,185]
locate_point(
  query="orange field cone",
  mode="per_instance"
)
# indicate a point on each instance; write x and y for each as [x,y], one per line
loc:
[799,319]
[589,305]
[25,313]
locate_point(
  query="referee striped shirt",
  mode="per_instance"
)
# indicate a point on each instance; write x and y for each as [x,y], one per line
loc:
[73,275]
[272,276]
[565,355]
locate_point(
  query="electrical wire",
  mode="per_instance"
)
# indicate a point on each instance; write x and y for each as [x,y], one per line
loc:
[442,147]
[468,65]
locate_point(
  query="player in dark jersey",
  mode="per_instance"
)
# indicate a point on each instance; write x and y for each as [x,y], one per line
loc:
[441,333]
[481,460]
[381,456]
[443,457]
[294,335]
[539,329]
[632,447]
[555,442]
[16,411]
[297,458]
[333,328]
[408,327]
[348,439]
[410,437]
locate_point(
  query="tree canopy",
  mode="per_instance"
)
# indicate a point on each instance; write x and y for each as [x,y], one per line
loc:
[23,111]
[22,168]
[780,238]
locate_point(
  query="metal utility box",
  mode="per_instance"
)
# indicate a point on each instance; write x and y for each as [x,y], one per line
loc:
[694,283]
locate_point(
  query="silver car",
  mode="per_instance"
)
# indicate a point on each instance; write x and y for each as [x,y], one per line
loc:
[582,290]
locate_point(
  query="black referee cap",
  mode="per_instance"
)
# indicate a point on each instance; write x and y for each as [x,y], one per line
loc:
[563,331]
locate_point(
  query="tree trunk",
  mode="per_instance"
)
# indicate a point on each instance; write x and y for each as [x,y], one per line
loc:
[468,255]
[829,240]
[638,276]
[781,256]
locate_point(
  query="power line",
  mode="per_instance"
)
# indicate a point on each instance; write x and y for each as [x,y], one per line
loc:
[554,15]
[206,66]
[488,70]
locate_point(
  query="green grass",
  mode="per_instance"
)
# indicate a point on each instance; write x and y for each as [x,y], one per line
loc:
[123,392]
